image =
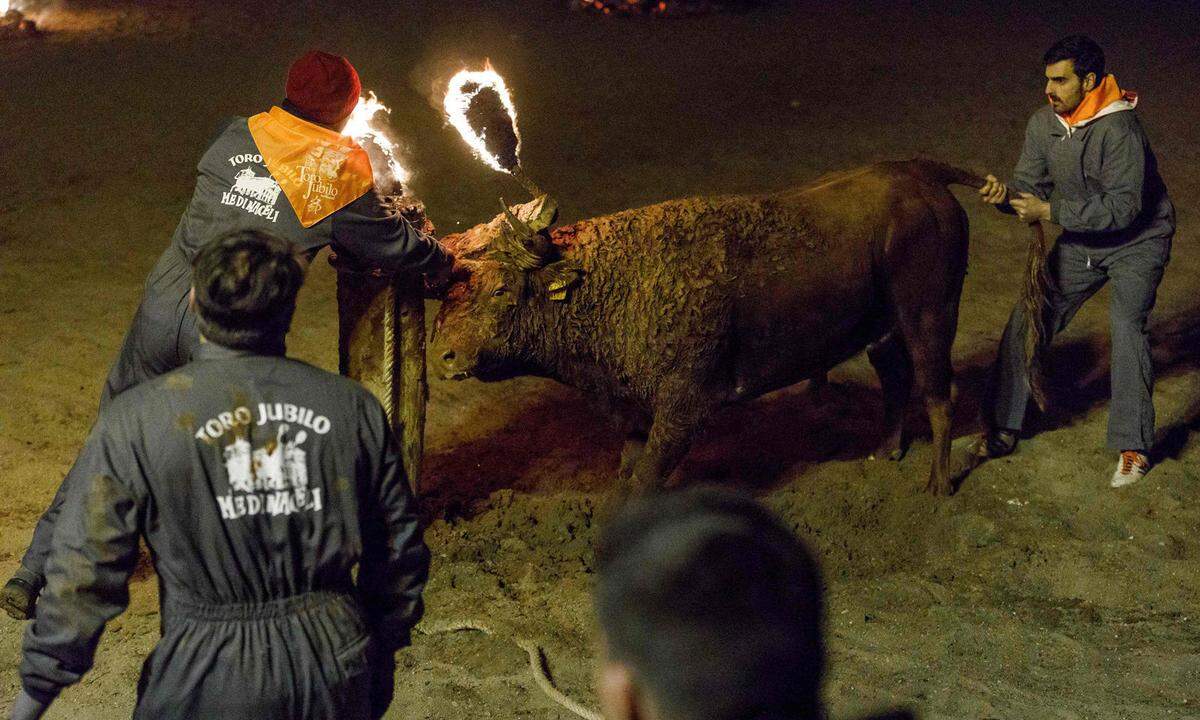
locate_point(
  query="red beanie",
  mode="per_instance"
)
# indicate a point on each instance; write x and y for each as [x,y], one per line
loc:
[323,87]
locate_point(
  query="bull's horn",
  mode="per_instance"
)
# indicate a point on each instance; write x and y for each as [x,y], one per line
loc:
[518,243]
[541,212]
[515,222]
[528,235]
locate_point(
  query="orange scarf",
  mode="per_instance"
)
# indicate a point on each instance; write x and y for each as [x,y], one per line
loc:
[1100,97]
[318,170]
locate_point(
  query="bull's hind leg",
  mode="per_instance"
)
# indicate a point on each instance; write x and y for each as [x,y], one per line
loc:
[892,363]
[928,337]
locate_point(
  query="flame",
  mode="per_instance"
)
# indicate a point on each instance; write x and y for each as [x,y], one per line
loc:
[370,131]
[3,7]
[458,100]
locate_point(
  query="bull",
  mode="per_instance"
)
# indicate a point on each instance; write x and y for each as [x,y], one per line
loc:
[667,313]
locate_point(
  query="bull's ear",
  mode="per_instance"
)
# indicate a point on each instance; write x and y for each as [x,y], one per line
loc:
[540,213]
[557,279]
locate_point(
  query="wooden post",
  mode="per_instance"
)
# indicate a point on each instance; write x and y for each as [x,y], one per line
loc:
[381,344]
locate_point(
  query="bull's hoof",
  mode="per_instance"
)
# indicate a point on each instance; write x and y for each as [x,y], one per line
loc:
[619,494]
[889,452]
[962,465]
[940,488]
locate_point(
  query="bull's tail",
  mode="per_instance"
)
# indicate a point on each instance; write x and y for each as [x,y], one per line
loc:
[1033,290]
[941,173]
[1033,298]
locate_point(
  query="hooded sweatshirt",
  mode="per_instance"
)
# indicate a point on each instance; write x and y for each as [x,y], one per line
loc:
[1096,169]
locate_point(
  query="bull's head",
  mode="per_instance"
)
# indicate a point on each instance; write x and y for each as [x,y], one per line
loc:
[499,267]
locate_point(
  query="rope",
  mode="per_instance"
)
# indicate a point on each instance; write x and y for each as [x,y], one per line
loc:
[388,298]
[537,662]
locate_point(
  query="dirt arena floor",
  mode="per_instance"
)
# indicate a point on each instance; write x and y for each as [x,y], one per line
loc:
[1035,592]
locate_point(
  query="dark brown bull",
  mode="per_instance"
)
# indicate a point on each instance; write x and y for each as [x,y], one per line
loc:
[668,312]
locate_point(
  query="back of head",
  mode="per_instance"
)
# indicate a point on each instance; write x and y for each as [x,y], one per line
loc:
[713,606]
[245,286]
[1083,52]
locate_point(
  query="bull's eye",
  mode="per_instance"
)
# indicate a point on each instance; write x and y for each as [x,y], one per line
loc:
[499,292]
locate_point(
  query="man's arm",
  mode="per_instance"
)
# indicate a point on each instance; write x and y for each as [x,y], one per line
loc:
[87,574]
[1031,175]
[395,561]
[373,235]
[1121,176]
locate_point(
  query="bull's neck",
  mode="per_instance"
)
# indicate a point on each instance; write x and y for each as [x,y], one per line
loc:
[542,335]
[551,333]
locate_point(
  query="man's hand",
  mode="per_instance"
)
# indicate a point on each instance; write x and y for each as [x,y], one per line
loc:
[437,280]
[1030,208]
[26,708]
[993,191]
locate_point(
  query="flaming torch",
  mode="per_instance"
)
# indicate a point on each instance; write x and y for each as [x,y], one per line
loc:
[480,107]
[380,316]
[14,22]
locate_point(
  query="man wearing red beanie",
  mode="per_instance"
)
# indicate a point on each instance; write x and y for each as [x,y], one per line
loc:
[287,172]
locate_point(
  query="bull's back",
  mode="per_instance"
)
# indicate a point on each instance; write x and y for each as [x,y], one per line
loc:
[780,286]
[815,289]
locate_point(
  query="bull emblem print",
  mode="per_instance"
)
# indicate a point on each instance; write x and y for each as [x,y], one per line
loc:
[280,465]
[263,189]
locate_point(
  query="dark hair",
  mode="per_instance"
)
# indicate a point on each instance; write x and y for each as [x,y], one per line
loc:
[714,605]
[245,285]
[1083,52]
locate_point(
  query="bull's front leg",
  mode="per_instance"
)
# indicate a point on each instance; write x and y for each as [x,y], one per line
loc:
[631,452]
[675,425]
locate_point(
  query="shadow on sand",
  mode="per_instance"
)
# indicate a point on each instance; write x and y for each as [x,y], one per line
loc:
[563,444]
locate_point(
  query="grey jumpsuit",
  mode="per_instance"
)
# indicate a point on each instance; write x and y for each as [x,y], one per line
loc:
[163,333]
[1104,189]
[258,483]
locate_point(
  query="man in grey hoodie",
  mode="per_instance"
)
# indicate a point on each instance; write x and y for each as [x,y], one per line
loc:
[1087,166]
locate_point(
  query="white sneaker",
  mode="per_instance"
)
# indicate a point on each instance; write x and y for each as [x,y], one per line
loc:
[1131,466]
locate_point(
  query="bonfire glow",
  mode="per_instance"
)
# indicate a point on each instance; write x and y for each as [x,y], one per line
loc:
[369,131]
[463,88]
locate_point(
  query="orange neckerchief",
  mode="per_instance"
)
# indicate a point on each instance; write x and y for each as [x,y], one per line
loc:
[1100,97]
[318,170]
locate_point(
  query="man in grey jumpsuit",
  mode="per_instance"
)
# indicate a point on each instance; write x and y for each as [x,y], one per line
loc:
[258,483]
[1087,166]
[236,191]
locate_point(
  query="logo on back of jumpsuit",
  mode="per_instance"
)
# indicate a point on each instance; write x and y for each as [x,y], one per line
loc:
[271,480]
[253,193]
[319,173]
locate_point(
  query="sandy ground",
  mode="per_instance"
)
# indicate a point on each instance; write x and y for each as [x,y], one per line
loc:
[1036,591]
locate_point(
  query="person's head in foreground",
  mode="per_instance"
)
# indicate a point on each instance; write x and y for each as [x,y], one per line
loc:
[244,289]
[709,609]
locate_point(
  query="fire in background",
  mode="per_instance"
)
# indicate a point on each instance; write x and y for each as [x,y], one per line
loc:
[663,8]
[14,22]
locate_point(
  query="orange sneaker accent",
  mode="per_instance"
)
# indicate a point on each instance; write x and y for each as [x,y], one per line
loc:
[319,171]
[1131,467]
[1130,458]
